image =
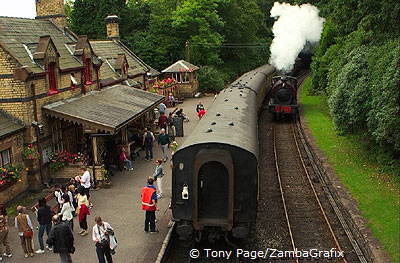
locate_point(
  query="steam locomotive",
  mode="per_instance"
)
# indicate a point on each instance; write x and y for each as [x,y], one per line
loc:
[215,171]
[283,98]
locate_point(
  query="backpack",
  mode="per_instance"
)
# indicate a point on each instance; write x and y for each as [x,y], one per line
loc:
[149,137]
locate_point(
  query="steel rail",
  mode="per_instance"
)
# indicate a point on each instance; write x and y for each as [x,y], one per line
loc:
[282,195]
[315,193]
[329,194]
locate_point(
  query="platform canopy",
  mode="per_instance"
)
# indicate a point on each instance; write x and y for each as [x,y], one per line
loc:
[108,109]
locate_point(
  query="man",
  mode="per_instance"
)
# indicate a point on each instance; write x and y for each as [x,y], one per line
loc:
[61,239]
[163,121]
[164,141]
[101,236]
[44,218]
[158,176]
[162,108]
[148,139]
[149,204]
[85,180]
[199,107]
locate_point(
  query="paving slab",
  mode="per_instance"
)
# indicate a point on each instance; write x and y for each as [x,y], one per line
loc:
[120,206]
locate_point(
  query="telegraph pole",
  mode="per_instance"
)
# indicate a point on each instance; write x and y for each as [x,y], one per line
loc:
[187,51]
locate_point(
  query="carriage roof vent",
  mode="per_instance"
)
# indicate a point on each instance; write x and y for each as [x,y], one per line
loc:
[213,123]
[236,108]
[218,114]
[209,130]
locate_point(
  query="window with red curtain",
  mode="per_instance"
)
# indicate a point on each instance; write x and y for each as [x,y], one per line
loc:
[51,71]
[88,71]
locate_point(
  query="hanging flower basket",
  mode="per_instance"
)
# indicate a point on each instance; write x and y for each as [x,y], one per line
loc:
[9,175]
[29,153]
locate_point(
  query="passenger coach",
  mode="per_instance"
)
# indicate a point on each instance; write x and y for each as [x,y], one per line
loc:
[215,171]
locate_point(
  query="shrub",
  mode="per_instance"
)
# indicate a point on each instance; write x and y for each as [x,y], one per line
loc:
[211,79]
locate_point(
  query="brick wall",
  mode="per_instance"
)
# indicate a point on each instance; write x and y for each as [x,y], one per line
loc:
[112,30]
[52,7]
[15,143]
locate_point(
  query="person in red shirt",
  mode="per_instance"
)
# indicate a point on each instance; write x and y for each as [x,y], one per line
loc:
[201,113]
[123,158]
[163,121]
[149,205]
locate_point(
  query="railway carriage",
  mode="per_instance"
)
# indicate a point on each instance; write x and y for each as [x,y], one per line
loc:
[215,171]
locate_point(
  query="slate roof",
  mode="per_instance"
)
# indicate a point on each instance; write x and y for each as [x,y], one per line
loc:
[108,50]
[20,37]
[181,66]
[108,109]
[8,126]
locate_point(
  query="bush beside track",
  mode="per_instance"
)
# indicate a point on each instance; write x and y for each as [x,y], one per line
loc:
[377,193]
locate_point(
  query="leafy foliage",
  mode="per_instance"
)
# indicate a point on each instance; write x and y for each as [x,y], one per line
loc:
[205,32]
[211,79]
[357,66]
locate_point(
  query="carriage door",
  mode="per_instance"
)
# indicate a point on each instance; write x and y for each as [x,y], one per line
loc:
[213,189]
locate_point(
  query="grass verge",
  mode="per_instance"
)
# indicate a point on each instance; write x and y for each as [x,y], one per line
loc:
[377,193]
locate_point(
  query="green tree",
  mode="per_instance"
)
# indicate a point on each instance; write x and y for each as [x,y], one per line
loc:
[198,22]
[211,79]
[87,17]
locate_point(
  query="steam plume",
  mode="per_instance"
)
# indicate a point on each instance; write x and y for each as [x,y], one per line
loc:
[295,27]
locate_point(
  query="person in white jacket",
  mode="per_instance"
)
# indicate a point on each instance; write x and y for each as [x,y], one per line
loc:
[101,236]
[66,212]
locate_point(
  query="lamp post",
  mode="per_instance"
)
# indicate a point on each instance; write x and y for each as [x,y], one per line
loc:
[38,131]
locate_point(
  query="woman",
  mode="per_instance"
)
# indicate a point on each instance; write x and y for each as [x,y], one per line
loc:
[124,160]
[66,211]
[72,195]
[25,230]
[171,100]
[4,233]
[44,215]
[158,176]
[82,211]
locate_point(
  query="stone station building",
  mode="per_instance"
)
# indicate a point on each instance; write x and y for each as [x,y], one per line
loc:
[59,91]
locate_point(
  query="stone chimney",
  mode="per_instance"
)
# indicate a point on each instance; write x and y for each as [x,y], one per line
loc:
[112,24]
[51,10]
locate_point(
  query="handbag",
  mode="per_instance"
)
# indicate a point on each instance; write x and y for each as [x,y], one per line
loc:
[28,234]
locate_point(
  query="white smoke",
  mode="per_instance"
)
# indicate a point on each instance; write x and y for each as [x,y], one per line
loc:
[295,27]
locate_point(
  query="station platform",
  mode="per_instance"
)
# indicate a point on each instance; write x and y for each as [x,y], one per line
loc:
[120,206]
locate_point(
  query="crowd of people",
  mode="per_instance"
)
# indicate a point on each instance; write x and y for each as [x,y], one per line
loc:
[73,201]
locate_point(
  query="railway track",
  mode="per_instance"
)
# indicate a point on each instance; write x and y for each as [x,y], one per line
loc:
[308,225]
